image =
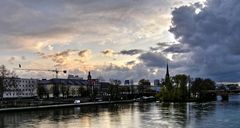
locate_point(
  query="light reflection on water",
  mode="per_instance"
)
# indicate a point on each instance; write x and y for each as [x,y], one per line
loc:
[136,115]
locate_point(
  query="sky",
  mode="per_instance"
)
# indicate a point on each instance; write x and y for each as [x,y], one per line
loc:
[122,39]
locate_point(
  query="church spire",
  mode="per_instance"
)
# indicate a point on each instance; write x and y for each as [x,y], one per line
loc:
[167,72]
[89,76]
[167,79]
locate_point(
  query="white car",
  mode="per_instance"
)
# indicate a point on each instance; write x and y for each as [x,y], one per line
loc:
[77,101]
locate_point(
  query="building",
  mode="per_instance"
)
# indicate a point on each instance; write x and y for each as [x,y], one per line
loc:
[62,87]
[156,82]
[20,88]
[74,77]
[74,86]
[126,82]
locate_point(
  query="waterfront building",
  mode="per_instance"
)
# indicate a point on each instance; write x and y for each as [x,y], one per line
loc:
[64,87]
[20,88]
[70,87]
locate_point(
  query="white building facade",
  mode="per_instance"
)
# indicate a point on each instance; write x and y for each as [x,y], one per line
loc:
[20,88]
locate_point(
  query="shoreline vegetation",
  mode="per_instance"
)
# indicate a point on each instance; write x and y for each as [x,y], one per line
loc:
[181,88]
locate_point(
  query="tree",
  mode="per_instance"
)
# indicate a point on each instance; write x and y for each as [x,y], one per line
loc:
[180,87]
[56,91]
[113,90]
[143,86]
[41,91]
[200,89]
[115,82]
[174,88]
[73,92]
[82,91]
[65,90]
[7,79]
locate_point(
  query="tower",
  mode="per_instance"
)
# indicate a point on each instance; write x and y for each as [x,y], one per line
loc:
[168,83]
[167,73]
[89,76]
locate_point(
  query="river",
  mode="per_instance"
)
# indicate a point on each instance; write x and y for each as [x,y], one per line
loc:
[132,115]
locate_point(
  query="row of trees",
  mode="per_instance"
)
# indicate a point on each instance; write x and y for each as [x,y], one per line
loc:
[181,88]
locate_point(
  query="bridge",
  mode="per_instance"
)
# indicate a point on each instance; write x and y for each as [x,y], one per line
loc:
[224,93]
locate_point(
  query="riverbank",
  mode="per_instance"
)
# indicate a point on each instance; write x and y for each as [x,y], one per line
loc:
[65,105]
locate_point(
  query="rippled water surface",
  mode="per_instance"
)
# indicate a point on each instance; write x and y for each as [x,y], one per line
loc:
[136,115]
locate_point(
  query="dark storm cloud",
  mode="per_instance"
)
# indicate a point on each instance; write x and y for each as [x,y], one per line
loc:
[212,36]
[153,59]
[161,46]
[122,73]
[131,52]
[177,48]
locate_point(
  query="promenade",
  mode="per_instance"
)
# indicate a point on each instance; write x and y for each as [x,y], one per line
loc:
[64,105]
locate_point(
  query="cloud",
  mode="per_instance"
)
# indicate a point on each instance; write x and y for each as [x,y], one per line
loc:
[212,35]
[160,46]
[177,48]
[153,59]
[25,23]
[12,60]
[133,62]
[67,57]
[23,58]
[131,52]
[122,73]
[85,53]
[108,52]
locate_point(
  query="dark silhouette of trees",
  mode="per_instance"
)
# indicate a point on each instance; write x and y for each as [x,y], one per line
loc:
[56,91]
[180,84]
[175,89]
[65,91]
[82,91]
[73,92]
[200,87]
[114,89]
[42,91]
[143,86]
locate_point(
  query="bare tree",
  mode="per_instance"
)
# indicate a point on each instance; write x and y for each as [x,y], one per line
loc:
[7,80]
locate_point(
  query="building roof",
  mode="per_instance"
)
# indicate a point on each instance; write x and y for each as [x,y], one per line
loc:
[64,82]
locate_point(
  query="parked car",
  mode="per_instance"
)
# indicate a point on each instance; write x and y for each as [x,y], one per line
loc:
[77,101]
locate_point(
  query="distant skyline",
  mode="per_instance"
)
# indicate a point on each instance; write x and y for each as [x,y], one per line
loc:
[125,39]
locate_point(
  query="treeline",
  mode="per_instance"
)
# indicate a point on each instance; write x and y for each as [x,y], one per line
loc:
[181,88]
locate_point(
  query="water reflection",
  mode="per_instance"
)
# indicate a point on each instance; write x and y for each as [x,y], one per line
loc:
[136,115]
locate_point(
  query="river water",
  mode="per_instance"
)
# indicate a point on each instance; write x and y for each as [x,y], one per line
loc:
[134,115]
